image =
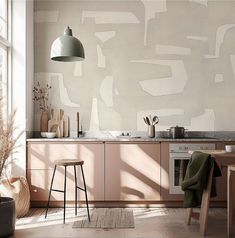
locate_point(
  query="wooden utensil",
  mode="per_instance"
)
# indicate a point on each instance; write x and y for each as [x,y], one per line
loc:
[145,121]
[148,121]
[155,120]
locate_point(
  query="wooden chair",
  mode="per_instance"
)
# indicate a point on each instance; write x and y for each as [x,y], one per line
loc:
[202,216]
[230,198]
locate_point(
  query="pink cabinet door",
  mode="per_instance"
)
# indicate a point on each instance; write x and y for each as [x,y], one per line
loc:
[40,167]
[132,171]
[39,181]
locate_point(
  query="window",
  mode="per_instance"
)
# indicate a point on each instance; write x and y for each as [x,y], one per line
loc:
[3,18]
[4,47]
[3,72]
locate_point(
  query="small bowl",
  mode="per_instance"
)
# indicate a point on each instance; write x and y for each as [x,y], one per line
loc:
[43,134]
[50,134]
[230,148]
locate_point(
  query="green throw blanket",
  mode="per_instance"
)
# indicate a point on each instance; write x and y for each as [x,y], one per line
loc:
[195,179]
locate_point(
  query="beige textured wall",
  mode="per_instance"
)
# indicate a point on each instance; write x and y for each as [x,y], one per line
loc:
[175,59]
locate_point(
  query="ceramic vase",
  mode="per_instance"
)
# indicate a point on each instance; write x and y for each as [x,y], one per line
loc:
[44,121]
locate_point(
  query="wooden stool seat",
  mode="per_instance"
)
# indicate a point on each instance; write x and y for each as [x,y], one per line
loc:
[68,162]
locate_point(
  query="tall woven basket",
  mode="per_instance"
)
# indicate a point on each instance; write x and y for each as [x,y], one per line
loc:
[18,189]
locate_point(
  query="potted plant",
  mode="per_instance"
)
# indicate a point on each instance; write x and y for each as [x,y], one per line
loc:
[41,94]
[7,148]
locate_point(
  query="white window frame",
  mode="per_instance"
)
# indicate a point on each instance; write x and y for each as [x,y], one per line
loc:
[5,43]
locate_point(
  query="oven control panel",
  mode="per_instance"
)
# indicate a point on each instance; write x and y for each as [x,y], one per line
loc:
[184,148]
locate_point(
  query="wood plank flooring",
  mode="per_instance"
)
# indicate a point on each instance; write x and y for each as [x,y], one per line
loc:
[149,223]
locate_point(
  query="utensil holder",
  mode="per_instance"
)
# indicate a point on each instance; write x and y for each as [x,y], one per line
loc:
[151,131]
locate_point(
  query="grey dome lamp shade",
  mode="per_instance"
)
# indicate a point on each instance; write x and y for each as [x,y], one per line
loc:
[67,48]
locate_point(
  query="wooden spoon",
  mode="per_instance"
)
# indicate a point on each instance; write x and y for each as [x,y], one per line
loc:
[155,120]
[145,120]
[148,121]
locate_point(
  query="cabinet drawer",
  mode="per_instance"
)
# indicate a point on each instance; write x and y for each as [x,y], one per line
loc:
[42,155]
[40,168]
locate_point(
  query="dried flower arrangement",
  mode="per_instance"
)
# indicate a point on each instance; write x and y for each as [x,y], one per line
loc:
[8,139]
[41,94]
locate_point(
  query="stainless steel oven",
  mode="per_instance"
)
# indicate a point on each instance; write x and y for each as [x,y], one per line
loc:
[179,158]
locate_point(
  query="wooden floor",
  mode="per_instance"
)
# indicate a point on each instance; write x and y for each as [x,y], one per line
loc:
[149,222]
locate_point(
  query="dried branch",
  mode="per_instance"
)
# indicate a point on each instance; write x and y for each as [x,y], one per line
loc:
[8,143]
[41,94]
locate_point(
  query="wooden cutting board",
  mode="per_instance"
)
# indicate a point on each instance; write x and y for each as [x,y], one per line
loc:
[56,123]
[65,126]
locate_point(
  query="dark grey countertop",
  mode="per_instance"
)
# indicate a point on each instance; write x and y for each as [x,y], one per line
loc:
[130,139]
[139,136]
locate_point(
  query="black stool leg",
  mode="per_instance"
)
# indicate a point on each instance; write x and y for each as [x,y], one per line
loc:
[50,191]
[65,177]
[76,190]
[84,182]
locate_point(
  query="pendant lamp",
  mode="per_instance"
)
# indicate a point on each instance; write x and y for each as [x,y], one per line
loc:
[67,48]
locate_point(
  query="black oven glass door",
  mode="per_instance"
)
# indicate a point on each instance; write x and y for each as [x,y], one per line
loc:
[180,166]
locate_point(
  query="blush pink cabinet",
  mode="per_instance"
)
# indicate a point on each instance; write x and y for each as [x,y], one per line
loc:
[132,171]
[40,157]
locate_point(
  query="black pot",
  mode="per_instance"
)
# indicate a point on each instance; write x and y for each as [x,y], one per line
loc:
[176,132]
[7,216]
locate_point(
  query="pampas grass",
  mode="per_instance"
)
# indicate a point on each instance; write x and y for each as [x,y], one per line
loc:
[8,137]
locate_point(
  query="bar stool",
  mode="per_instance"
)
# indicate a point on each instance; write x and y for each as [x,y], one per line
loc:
[66,163]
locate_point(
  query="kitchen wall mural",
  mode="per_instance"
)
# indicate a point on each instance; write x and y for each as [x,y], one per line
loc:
[174,59]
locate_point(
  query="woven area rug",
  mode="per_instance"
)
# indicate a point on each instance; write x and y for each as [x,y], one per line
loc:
[108,218]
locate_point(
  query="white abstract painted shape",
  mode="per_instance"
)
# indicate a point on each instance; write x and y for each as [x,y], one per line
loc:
[168,85]
[101,57]
[202,2]
[48,78]
[232,60]
[219,78]
[78,69]
[94,121]
[199,38]
[151,8]
[220,33]
[172,50]
[105,35]
[46,16]
[204,122]
[160,113]
[106,91]
[105,17]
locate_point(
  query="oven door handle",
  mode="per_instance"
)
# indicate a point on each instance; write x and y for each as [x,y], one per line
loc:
[180,158]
